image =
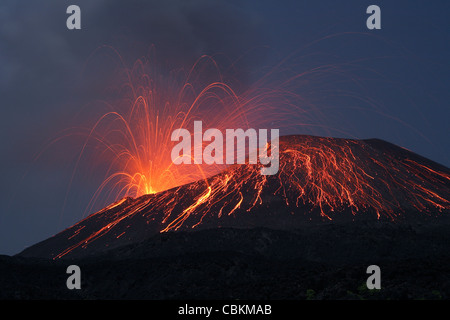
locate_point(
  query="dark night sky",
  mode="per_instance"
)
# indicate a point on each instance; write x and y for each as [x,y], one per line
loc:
[44,82]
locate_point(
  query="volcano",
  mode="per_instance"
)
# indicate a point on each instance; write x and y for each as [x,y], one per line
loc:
[320,181]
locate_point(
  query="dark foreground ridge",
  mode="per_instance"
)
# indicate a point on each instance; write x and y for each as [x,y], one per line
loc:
[326,261]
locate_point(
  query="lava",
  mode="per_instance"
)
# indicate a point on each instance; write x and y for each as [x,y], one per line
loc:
[131,143]
[133,140]
[319,178]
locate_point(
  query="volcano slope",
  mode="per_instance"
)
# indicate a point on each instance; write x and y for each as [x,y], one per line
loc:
[335,207]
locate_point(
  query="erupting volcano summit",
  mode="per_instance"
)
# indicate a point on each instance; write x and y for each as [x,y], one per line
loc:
[319,179]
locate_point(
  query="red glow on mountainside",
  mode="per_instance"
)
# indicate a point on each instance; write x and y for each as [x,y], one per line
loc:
[323,176]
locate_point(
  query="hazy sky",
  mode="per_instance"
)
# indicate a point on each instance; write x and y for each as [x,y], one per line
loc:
[49,73]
